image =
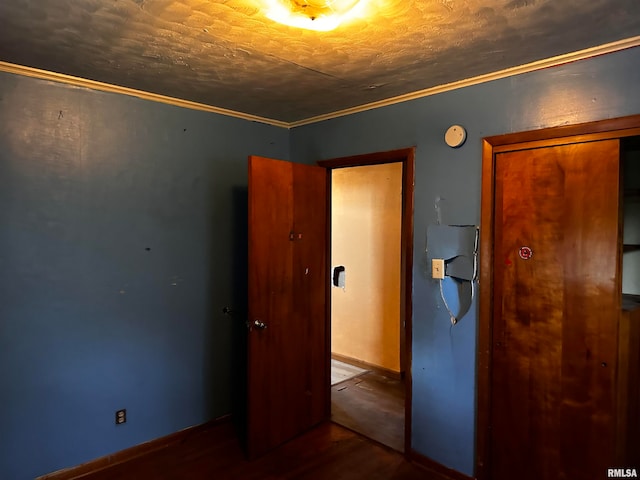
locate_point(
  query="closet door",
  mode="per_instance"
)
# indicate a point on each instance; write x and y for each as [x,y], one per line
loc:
[556,306]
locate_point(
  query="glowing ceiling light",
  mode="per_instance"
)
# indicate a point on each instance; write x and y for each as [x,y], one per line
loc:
[320,15]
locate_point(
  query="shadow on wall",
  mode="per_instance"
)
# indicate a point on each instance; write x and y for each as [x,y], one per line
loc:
[239,314]
[227,311]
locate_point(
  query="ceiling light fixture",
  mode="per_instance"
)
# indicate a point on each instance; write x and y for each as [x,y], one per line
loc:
[320,15]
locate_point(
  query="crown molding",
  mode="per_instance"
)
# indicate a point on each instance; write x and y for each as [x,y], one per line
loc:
[132,92]
[507,72]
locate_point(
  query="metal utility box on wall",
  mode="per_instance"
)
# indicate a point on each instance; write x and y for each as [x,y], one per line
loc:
[452,251]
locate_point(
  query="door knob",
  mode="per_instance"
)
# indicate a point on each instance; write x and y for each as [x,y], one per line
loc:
[259,324]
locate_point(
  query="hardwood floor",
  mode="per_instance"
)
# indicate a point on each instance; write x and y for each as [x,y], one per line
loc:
[371,404]
[329,451]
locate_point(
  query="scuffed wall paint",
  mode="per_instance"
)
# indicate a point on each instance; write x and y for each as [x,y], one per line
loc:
[122,237]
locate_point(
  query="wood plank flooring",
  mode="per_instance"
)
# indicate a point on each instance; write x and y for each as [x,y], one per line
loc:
[329,451]
[371,404]
[341,371]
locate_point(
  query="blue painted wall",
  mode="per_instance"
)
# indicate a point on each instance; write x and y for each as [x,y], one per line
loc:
[444,358]
[122,237]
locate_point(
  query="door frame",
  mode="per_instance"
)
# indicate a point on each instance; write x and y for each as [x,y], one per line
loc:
[406,156]
[591,131]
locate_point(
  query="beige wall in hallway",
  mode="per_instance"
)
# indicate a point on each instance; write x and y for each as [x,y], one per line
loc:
[366,233]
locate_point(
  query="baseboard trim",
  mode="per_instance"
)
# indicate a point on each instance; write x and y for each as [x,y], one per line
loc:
[130,453]
[367,366]
[435,468]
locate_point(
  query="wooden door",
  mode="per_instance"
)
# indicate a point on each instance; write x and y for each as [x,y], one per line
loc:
[556,305]
[287,345]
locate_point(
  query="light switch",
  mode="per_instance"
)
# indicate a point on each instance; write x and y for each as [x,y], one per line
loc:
[437,268]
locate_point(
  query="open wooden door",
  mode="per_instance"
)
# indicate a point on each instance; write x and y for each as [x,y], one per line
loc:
[288,339]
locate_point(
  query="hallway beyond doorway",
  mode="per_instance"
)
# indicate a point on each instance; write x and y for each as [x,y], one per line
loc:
[371,404]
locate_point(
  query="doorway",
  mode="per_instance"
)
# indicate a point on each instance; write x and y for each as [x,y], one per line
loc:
[370,264]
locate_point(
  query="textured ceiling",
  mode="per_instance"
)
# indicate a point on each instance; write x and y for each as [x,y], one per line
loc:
[228,54]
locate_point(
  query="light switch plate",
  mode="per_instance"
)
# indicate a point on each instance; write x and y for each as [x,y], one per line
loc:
[437,268]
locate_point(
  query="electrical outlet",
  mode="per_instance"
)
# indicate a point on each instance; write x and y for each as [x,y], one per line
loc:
[121,416]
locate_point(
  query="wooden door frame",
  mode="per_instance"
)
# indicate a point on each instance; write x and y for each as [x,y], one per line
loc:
[406,156]
[591,131]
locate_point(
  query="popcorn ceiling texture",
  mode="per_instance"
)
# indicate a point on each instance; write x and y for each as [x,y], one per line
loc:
[228,54]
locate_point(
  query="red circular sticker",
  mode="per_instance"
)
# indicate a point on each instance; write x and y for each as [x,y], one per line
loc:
[525,253]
